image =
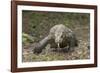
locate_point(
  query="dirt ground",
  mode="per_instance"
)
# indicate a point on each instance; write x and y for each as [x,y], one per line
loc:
[80,52]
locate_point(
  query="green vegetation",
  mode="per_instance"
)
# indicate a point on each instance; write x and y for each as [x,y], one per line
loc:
[27,39]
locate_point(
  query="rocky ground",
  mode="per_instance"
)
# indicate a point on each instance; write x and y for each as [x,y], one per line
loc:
[80,52]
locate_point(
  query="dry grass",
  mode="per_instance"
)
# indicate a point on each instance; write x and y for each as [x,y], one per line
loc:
[80,52]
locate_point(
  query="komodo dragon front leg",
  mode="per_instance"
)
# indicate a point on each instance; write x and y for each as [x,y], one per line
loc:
[38,47]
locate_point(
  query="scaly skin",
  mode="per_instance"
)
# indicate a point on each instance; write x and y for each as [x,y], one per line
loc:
[60,37]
